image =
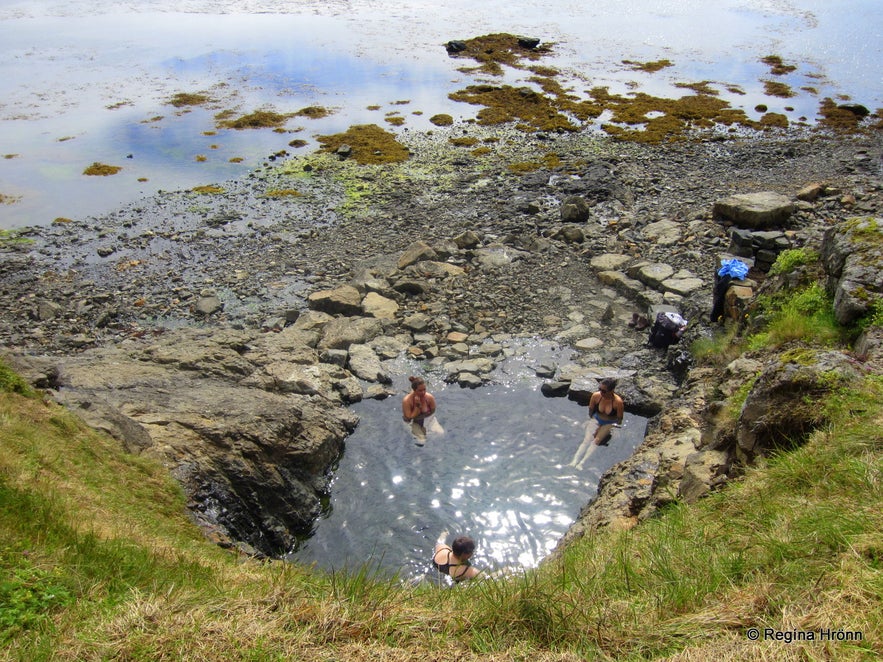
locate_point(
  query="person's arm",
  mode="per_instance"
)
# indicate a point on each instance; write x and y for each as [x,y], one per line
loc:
[440,542]
[468,573]
[620,410]
[408,408]
[593,403]
[430,400]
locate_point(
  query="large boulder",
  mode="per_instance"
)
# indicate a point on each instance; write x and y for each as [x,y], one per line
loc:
[341,332]
[761,210]
[344,300]
[575,209]
[365,364]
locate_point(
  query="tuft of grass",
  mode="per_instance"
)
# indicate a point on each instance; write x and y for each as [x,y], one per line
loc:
[11,382]
[183,99]
[718,349]
[807,316]
[790,259]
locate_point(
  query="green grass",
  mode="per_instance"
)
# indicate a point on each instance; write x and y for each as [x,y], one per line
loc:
[100,561]
[803,315]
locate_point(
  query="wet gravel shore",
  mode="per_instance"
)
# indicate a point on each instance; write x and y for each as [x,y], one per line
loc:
[147,267]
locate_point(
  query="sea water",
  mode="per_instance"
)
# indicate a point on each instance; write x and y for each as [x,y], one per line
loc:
[90,81]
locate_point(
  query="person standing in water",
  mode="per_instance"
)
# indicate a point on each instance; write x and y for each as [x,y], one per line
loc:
[418,406]
[453,559]
[606,409]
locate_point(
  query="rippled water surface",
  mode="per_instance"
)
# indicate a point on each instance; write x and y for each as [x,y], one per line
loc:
[498,473]
[86,81]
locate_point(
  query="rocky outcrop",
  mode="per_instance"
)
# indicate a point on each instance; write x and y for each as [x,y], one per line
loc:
[853,252]
[786,401]
[252,452]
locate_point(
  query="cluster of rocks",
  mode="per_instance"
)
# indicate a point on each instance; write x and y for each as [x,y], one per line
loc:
[225,336]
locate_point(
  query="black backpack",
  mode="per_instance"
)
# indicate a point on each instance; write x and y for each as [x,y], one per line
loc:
[667,330]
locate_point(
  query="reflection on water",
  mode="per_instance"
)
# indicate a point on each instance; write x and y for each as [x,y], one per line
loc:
[89,81]
[100,91]
[500,474]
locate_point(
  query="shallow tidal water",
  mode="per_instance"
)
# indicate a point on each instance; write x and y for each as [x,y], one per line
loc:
[499,473]
[90,80]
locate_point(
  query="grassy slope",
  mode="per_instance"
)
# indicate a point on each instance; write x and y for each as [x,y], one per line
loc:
[98,560]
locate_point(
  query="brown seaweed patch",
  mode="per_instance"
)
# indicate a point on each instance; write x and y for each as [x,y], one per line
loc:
[236,159]
[544,71]
[505,104]
[464,141]
[775,89]
[259,119]
[702,87]
[548,161]
[395,119]
[649,67]
[9,199]
[838,118]
[151,120]
[524,167]
[777,66]
[373,107]
[61,220]
[401,102]
[283,193]
[182,99]
[10,156]
[481,151]
[210,189]
[119,104]
[774,120]
[442,119]
[299,142]
[664,120]
[101,170]
[491,51]
[313,112]
[201,158]
[369,144]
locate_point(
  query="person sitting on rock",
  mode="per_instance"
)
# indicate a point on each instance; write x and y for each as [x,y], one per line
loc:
[417,407]
[606,409]
[453,560]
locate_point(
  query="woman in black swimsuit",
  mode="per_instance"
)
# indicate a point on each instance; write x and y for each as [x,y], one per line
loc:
[453,560]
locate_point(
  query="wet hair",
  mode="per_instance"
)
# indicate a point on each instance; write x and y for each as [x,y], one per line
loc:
[609,383]
[415,382]
[463,546]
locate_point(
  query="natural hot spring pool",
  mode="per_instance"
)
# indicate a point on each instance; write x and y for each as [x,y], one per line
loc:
[499,473]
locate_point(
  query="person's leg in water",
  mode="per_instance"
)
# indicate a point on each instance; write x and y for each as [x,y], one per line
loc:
[586,447]
[433,427]
[595,436]
[419,432]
